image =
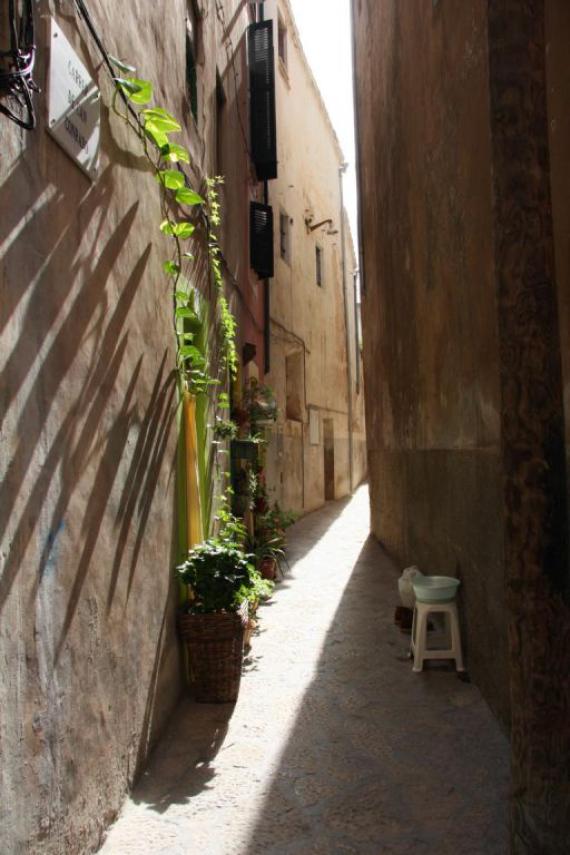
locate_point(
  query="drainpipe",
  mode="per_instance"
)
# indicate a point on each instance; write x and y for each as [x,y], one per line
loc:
[356,329]
[341,170]
[266,285]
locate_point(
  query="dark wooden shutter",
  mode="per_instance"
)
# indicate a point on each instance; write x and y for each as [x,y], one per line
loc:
[262,99]
[261,239]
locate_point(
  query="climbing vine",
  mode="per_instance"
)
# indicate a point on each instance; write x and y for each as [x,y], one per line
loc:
[227,320]
[154,126]
[183,209]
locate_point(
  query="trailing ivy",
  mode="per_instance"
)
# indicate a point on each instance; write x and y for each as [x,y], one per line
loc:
[154,127]
[227,320]
[184,209]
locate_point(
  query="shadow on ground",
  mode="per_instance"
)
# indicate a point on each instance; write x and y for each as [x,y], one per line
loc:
[334,746]
[183,765]
[381,760]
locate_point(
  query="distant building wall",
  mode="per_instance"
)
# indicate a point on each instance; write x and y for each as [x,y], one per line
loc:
[88,402]
[308,319]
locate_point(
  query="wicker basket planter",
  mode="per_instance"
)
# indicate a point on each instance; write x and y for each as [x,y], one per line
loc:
[214,643]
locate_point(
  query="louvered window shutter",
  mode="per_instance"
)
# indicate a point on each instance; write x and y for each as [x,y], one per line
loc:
[262,99]
[261,239]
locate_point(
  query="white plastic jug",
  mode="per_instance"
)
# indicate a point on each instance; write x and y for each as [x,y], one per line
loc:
[405,587]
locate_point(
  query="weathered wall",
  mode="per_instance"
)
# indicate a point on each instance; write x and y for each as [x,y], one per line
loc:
[90,663]
[307,318]
[430,337]
[558,79]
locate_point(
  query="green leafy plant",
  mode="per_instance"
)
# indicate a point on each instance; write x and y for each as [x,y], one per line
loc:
[225,429]
[220,576]
[277,520]
[267,546]
[260,591]
[232,529]
[259,403]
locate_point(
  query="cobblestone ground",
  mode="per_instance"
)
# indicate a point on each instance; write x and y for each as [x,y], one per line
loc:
[334,746]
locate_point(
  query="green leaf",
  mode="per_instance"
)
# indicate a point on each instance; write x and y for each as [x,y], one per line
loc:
[181,296]
[183,230]
[171,178]
[166,227]
[175,153]
[157,136]
[184,312]
[138,91]
[186,196]
[161,119]
[171,267]
[123,66]
[189,351]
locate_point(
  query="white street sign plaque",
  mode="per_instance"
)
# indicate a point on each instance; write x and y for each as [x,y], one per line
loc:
[74,119]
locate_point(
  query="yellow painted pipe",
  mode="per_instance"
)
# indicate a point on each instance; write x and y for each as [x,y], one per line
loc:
[193,515]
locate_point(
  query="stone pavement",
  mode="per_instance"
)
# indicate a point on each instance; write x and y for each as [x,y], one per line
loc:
[334,746]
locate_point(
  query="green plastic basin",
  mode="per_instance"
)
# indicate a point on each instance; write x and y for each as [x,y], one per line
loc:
[435,589]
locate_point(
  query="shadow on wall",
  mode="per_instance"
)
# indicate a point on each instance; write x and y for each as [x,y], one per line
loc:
[62,408]
[77,437]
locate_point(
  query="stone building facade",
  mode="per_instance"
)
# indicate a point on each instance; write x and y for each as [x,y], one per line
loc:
[318,445]
[88,397]
[88,403]
[463,138]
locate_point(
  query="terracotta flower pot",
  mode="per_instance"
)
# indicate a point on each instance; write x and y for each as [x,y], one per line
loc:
[268,568]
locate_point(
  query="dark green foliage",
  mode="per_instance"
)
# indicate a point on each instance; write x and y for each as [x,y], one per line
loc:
[220,574]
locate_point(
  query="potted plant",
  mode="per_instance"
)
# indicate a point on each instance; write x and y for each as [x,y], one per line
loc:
[260,403]
[269,554]
[225,429]
[220,577]
[273,523]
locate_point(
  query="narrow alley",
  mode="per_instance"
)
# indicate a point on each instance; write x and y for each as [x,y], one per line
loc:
[334,746]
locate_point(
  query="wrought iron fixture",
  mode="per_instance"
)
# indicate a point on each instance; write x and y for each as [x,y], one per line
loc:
[17,66]
[312,228]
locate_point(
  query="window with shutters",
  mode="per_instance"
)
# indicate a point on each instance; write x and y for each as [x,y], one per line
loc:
[261,239]
[319,265]
[285,237]
[192,60]
[262,99]
[220,110]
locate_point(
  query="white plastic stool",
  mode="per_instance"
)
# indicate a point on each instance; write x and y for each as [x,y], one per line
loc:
[419,646]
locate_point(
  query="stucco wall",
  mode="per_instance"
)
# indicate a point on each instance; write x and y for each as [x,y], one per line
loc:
[558,80]
[306,318]
[430,337]
[90,662]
